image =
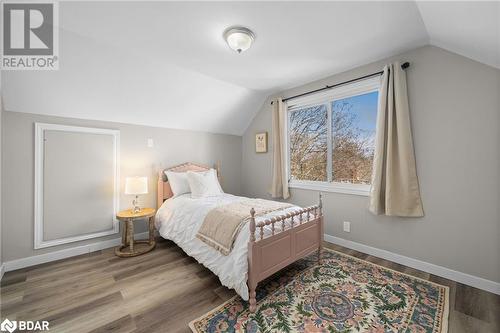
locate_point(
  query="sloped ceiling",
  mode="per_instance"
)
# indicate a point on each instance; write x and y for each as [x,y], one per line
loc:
[468,28]
[165,63]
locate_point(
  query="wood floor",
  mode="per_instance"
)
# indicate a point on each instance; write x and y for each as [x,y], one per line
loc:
[163,290]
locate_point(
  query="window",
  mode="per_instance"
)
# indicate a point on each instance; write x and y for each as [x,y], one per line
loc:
[331,138]
[308,143]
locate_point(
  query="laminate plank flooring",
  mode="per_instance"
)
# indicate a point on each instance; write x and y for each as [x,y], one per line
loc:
[163,290]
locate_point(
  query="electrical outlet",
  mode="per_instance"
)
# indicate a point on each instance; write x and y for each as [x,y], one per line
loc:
[347,226]
[150,143]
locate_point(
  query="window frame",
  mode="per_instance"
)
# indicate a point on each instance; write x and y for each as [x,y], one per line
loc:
[328,97]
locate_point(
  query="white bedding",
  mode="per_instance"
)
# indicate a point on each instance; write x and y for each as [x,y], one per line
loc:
[179,219]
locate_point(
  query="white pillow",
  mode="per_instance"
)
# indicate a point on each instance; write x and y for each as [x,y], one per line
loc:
[204,184]
[178,182]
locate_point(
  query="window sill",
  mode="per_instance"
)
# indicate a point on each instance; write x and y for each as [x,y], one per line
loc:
[354,189]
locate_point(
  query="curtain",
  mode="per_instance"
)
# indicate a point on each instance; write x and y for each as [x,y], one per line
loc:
[279,186]
[395,190]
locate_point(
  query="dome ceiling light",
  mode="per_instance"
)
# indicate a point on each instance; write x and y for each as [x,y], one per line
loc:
[239,38]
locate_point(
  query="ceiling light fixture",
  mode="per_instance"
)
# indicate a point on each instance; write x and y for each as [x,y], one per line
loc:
[239,38]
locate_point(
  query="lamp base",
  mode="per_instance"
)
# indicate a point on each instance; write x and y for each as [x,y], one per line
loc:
[135,203]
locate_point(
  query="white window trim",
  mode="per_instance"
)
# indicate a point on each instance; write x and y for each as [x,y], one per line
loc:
[40,128]
[353,89]
[334,187]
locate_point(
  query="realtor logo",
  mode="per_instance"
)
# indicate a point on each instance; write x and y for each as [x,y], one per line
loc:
[30,36]
[8,326]
[24,325]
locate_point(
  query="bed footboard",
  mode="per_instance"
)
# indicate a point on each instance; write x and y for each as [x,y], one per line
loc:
[292,236]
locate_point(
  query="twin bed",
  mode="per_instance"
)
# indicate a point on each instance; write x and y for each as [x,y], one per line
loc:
[267,241]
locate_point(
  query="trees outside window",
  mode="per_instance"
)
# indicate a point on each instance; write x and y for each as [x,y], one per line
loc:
[342,153]
[308,143]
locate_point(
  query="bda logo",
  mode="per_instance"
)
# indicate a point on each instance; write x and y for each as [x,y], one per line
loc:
[30,35]
[24,325]
[8,325]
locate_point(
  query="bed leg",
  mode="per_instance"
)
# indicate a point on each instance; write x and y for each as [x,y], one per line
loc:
[252,277]
[252,300]
[320,237]
[320,249]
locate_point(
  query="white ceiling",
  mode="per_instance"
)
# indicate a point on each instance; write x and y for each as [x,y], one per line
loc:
[166,64]
[469,28]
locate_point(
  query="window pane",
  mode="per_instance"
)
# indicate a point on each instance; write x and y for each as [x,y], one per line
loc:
[353,138]
[308,143]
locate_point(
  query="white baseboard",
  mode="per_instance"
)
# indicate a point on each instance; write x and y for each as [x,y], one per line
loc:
[470,280]
[65,253]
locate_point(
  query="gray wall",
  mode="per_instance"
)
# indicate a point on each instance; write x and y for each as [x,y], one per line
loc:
[1,211]
[171,147]
[455,112]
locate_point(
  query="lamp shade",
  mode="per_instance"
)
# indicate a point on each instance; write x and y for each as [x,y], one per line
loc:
[136,185]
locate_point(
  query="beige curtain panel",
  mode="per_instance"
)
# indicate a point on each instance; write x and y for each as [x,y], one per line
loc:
[395,190]
[279,186]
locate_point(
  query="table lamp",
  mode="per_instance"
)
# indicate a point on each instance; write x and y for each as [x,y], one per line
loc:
[136,186]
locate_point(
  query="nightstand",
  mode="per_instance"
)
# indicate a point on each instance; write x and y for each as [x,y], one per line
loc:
[131,247]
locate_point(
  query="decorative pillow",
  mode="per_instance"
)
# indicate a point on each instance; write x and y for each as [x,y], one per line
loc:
[204,184]
[178,182]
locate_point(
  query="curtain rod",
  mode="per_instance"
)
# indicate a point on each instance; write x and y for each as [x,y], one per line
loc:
[403,66]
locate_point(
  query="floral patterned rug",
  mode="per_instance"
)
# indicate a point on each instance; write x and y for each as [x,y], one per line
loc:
[343,294]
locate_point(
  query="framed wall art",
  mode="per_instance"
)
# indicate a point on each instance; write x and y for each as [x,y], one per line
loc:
[261,142]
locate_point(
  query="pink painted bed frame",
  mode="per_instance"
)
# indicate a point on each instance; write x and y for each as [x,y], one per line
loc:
[268,254]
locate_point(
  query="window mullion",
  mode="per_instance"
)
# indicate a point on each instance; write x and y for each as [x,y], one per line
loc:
[329,166]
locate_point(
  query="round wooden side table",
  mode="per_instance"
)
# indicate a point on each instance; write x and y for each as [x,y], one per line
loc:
[131,247]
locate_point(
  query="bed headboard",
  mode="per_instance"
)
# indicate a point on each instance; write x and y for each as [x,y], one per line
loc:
[164,190]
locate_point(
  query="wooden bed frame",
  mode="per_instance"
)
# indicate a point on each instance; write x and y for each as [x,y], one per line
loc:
[268,254]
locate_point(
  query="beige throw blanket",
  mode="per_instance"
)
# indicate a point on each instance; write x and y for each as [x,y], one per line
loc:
[222,224]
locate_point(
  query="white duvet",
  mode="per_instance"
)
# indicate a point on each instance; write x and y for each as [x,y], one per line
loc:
[179,219]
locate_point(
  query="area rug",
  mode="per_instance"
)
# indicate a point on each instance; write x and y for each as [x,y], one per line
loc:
[343,294]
